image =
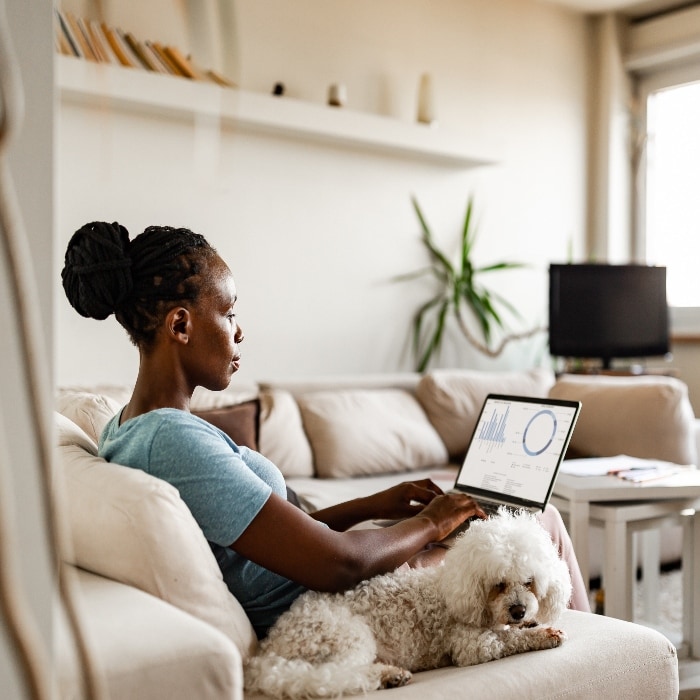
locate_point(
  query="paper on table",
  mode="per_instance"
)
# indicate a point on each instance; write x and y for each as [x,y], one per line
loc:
[603,466]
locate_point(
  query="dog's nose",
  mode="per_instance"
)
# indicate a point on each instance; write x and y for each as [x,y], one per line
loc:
[517,612]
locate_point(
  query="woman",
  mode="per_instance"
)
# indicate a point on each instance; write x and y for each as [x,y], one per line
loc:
[175,297]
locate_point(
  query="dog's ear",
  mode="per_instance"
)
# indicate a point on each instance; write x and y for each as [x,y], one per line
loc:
[554,592]
[464,588]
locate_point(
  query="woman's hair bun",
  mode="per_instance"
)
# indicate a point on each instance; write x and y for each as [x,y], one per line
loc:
[97,271]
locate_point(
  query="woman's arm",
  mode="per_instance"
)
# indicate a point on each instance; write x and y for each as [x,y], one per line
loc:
[284,539]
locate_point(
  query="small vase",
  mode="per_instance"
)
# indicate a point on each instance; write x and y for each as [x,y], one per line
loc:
[337,95]
[426,103]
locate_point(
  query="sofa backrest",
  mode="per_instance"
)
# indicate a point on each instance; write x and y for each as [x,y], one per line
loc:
[355,425]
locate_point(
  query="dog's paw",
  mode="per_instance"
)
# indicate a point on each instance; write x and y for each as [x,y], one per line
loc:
[552,637]
[394,677]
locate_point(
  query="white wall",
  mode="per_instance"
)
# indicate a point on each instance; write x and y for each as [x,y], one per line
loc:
[314,234]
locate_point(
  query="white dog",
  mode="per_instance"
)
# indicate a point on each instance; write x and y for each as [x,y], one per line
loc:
[500,585]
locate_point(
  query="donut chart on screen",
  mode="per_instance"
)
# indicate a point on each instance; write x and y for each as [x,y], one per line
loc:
[539,432]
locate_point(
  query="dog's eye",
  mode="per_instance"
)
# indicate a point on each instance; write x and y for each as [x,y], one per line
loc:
[501,587]
[529,583]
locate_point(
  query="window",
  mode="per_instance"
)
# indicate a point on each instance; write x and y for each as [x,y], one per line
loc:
[673,189]
[669,204]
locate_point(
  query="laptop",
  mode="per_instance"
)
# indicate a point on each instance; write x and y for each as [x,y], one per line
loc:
[515,451]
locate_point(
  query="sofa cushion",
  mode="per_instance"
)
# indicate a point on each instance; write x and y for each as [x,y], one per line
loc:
[375,431]
[134,528]
[121,393]
[239,422]
[602,658]
[643,416]
[281,437]
[89,411]
[452,398]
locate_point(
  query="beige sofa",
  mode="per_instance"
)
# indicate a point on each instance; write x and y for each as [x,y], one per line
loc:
[159,618]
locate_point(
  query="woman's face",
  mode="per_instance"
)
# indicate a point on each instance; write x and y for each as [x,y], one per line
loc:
[213,355]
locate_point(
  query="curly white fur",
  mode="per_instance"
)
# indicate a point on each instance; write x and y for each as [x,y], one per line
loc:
[500,586]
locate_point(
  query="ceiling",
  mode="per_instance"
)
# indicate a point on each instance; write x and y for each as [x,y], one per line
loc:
[633,8]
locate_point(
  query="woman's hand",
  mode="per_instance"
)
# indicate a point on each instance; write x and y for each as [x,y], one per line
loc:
[449,511]
[403,500]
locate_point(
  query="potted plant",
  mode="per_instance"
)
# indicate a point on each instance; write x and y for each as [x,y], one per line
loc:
[460,293]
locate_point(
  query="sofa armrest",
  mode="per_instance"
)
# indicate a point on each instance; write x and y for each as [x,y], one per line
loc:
[143,648]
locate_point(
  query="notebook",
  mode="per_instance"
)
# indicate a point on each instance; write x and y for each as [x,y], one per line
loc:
[515,451]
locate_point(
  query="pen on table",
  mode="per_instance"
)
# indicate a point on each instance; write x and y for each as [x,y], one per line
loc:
[615,472]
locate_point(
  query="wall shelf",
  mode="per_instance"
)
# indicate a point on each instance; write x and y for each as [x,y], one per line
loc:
[84,82]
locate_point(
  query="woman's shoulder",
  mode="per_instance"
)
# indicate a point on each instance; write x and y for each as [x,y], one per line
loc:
[162,425]
[160,418]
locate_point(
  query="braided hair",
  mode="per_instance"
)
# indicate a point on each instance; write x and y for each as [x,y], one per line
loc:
[138,281]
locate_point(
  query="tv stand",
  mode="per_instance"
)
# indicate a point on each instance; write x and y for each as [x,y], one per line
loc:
[590,367]
[630,372]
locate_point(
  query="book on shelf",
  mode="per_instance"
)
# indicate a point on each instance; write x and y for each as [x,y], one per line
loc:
[166,58]
[98,42]
[65,35]
[219,79]
[147,60]
[102,47]
[118,46]
[93,48]
[163,67]
[157,50]
[183,65]
[61,41]
[80,37]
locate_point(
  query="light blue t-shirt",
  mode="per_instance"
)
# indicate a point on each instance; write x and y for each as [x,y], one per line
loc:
[223,485]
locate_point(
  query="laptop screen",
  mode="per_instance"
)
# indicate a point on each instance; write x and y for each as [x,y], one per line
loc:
[516,448]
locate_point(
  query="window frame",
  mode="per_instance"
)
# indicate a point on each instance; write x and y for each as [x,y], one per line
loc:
[685,320]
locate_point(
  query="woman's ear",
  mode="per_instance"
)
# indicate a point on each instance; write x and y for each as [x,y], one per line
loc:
[178,324]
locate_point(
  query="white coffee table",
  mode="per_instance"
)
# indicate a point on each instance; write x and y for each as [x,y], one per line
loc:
[623,508]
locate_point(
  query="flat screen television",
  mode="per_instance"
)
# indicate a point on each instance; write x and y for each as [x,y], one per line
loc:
[603,311]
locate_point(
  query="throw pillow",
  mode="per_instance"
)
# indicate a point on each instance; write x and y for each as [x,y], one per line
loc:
[282,438]
[452,398]
[133,528]
[239,422]
[643,416]
[360,432]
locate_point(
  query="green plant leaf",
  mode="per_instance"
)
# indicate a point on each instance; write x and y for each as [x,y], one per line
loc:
[500,266]
[475,302]
[419,317]
[408,276]
[468,235]
[437,255]
[436,338]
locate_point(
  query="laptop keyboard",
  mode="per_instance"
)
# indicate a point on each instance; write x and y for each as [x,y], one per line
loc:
[489,507]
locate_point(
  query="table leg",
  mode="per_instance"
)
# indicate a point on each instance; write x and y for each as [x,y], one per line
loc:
[651,556]
[617,572]
[693,584]
[579,532]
